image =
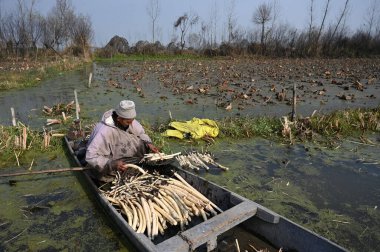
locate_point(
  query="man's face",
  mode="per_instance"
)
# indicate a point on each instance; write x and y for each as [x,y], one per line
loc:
[124,121]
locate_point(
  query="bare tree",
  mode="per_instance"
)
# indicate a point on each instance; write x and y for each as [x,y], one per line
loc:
[21,26]
[275,14]
[25,28]
[62,16]
[283,40]
[11,32]
[34,22]
[311,23]
[15,29]
[195,40]
[323,21]
[34,27]
[82,34]
[2,34]
[48,36]
[270,37]
[231,22]
[240,34]
[261,16]
[183,23]
[372,10]
[203,33]
[153,10]
[213,23]
[342,15]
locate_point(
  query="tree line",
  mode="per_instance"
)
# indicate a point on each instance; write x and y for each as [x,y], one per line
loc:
[272,38]
[25,30]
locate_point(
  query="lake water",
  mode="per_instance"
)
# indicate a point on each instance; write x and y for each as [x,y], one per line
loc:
[334,192]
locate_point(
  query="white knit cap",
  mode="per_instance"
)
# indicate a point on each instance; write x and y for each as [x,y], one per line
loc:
[126,109]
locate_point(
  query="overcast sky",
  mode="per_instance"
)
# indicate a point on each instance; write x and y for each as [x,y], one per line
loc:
[129,18]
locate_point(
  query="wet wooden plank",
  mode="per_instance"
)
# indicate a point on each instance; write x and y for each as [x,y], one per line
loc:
[210,229]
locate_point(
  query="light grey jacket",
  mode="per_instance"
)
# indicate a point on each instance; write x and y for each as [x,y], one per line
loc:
[108,143]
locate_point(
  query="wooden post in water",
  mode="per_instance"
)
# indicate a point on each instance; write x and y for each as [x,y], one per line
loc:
[170,116]
[13,116]
[89,80]
[24,137]
[294,102]
[77,108]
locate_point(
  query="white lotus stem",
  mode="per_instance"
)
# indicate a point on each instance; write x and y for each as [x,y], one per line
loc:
[166,215]
[172,211]
[196,192]
[127,212]
[154,220]
[203,214]
[198,161]
[142,221]
[135,167]
[161,204]
[135,215]
[112,200]
[174,205]
[209,159]
[159,156]
[160,228]
[148,215]
[185,162]
[180,204]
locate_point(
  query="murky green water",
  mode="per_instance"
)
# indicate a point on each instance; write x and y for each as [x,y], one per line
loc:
[53,212]
[336,193]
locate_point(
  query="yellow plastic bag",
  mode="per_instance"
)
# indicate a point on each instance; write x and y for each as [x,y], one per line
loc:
[196,129]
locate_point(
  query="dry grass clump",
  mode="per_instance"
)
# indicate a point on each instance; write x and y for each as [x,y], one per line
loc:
[20,139]
[346,122]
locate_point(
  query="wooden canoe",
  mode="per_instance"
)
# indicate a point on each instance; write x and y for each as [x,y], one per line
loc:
[238,211]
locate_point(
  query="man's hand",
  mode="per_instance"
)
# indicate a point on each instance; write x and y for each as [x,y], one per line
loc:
[118,165]
[153,148]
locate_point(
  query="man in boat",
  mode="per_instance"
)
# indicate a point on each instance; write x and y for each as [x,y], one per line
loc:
[117,139]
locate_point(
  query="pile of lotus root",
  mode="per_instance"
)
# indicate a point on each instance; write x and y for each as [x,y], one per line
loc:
[152,202]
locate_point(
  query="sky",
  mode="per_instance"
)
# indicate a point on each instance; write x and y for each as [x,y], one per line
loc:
[129,18]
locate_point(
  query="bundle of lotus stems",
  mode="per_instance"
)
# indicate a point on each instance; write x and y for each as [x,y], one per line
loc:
[58,108]
[196,160]
[153,202]
[157,157]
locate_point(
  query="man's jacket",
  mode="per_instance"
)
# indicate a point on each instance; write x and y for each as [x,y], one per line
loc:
[108,143]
